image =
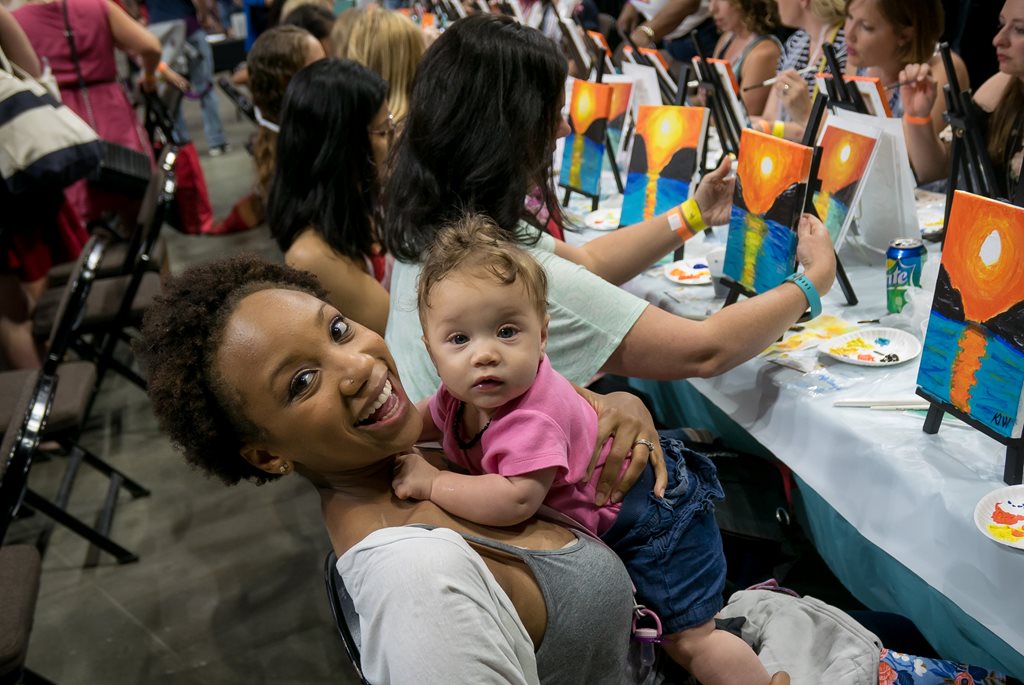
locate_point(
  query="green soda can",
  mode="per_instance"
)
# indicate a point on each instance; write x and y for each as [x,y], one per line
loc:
[904,261]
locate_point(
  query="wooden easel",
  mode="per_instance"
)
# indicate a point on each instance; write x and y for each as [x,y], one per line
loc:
[1013,466]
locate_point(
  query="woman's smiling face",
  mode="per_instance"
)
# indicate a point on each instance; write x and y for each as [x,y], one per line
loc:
[323,390]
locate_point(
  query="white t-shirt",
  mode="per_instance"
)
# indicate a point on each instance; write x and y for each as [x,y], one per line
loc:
[430,611]
[589,319]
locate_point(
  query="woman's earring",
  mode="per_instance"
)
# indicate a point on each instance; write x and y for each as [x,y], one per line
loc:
[284,468]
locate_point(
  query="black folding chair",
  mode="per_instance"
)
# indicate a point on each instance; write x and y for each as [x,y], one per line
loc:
[345,616]
[117,304]
[73,384]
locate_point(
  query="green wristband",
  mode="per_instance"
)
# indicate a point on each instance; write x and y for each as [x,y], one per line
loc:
[810,292]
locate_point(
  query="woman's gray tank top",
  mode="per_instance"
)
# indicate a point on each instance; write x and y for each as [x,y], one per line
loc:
[589,600]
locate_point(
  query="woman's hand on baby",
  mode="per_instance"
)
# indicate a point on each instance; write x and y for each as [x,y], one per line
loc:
[624,418]
[414,477]
[714,194]
[815,253]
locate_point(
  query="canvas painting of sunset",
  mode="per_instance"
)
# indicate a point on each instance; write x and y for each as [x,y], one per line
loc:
[622,94]
[847,153]
[666,148]
[973,355]
[584,146]
[771,187]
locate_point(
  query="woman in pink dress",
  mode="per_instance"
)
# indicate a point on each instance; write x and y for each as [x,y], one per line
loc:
[98,26]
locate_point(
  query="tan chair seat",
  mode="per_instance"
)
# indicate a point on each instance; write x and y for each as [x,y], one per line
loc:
[19,588]
[75,381]
[101,306]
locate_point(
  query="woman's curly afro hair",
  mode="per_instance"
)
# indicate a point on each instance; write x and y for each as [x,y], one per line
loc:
[181,333]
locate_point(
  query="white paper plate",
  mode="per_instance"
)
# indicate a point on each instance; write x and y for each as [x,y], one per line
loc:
[1000,516]
[688,272]
[603,219]
[873,347]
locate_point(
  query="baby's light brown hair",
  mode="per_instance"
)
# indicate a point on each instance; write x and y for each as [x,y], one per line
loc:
[474,244]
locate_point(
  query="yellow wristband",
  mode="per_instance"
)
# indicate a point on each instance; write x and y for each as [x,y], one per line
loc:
[162,67]
[917,121]
[779,129]
[686,220]
[691,212]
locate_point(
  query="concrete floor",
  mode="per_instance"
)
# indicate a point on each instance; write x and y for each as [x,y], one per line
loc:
[229,588]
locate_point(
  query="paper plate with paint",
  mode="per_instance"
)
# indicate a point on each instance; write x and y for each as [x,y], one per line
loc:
[1000,516]
[603,219]
[688,272]
[873,347]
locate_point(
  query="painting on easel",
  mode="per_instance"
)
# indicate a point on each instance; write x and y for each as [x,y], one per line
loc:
[771,188]
[847,152]
[667,146]
[973,356]
[585,144]
[622,94]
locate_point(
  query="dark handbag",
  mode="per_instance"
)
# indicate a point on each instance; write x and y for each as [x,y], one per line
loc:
[123,170]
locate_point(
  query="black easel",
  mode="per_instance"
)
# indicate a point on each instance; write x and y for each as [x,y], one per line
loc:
[969,156]
[667,88]
[1013,467]
[810,136]
[841,93]
[599,53]
[577,56]
[726,124]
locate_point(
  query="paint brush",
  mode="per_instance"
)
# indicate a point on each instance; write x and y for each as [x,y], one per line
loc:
[899,84]
[774,79]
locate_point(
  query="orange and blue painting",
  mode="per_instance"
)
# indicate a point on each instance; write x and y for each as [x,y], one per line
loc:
[584,146]
[622,94]
[667,145]
[771,187]
[845,158]
[973,355]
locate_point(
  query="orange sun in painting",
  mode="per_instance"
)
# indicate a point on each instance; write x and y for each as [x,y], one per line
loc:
[590,102]
[984,255]
[768,166]
[844,157]
[666,131]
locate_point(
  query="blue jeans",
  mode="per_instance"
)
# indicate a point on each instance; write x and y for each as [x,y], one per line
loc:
[200,76]
[671,546]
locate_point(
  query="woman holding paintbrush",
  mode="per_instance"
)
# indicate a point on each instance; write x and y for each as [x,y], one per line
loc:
[793,90]
[1002,95]
[884,36]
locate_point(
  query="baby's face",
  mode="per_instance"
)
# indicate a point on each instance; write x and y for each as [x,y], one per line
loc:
[486,339]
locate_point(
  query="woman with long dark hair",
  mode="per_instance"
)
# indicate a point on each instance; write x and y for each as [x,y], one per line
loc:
[482,125]
[323,208]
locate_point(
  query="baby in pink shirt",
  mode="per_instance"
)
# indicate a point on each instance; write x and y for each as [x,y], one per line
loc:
[525,437]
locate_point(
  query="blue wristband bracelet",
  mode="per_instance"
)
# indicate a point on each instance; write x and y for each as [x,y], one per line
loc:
[810,292]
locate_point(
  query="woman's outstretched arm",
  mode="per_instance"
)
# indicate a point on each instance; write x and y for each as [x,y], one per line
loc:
[664,346]
[620,255]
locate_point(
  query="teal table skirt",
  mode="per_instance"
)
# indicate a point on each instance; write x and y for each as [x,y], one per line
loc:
[872,575]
